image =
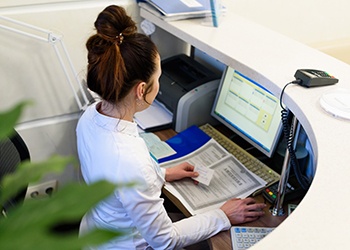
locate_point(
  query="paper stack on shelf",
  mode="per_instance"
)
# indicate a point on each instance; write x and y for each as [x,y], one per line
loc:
[177,9]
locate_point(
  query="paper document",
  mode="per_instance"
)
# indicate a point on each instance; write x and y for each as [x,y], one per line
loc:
[177,7]
[157,148]
[154,116]
[181,9]
[147,8]
[230,179]
[205,174]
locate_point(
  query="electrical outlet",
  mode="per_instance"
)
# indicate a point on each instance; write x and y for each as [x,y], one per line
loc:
[42,190]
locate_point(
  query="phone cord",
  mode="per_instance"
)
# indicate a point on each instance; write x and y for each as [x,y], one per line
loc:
[288,135]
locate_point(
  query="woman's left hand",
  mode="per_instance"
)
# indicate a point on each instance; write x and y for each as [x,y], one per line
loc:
[180,171]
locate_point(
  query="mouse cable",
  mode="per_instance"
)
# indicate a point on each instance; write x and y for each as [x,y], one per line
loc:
[288,135]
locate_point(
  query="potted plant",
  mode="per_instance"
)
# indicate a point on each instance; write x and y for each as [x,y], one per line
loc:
[36,224]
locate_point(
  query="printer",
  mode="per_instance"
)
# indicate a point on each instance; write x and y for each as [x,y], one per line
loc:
[187,90]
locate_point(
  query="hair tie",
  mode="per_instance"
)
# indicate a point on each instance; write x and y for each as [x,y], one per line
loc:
[120,38]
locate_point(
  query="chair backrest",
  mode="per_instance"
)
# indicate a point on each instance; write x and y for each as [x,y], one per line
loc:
[13,151]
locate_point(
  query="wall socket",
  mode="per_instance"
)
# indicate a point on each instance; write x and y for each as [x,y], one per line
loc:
[41,190]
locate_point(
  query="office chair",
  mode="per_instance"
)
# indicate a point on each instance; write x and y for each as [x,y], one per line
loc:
[13,150]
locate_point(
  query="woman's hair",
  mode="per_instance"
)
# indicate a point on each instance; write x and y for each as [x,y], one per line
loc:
[118,56]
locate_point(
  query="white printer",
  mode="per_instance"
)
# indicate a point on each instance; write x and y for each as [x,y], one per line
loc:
[187,89]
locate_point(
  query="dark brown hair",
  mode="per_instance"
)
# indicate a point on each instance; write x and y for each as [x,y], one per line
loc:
[118,56]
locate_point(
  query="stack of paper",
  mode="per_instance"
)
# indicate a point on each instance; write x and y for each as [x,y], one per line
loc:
[155,117]
[177,9]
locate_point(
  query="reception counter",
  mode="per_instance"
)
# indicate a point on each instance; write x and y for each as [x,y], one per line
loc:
[322,219]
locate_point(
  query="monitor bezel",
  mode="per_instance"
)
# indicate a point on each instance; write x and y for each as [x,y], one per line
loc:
[261,148]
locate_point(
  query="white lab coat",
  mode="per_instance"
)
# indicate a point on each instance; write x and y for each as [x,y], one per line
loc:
[111,149]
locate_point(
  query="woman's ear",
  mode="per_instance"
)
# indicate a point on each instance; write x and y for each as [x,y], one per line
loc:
[140,90]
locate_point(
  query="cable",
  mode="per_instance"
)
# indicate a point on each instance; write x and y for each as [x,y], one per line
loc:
[298,81]
[288,135]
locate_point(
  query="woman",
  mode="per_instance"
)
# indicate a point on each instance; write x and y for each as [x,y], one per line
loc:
[124,70]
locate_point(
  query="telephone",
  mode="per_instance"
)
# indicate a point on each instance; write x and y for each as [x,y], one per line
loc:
[314,78]
[293,191]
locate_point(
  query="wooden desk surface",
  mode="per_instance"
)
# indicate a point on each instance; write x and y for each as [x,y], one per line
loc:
[222,241]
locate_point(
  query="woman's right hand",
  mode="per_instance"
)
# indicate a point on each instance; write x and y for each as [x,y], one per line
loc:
[243,210]
[180,171]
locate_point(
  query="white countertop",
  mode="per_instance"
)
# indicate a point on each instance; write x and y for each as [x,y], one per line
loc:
[322,219]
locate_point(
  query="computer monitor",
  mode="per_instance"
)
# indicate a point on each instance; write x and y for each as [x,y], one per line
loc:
[249,110]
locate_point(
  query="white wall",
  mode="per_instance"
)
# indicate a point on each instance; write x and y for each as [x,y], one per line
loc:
[306,21]
[323,25]
[29,69]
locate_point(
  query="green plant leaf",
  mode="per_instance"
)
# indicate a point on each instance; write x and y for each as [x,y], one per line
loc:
[28,172]
[10,117]
[34,225]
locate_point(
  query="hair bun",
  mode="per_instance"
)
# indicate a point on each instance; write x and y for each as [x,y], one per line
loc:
[114,21]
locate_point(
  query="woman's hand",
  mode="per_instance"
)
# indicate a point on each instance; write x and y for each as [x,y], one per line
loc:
[180,171]
[243,210]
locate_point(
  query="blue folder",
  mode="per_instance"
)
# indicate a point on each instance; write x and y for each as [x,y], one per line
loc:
[186,142]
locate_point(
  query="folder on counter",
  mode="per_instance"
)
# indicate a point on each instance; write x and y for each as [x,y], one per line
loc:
[186,142]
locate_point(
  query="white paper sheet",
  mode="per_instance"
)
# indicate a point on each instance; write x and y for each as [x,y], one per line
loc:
[230,180]
[159,149]
[154,116]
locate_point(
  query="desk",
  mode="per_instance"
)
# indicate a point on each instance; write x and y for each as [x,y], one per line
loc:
[222,241]
[272,59]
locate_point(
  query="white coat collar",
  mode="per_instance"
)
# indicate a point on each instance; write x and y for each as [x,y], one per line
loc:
[114,124]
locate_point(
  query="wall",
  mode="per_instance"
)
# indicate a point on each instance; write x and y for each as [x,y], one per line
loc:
[30,69]
[323,25]
[306,21]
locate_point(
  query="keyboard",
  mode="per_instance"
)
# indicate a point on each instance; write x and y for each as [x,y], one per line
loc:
[245,237]
[248,160]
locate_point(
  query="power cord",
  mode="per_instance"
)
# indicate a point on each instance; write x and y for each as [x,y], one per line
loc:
[288,135]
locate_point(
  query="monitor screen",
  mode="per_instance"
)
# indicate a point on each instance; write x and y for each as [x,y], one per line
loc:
[249,110]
